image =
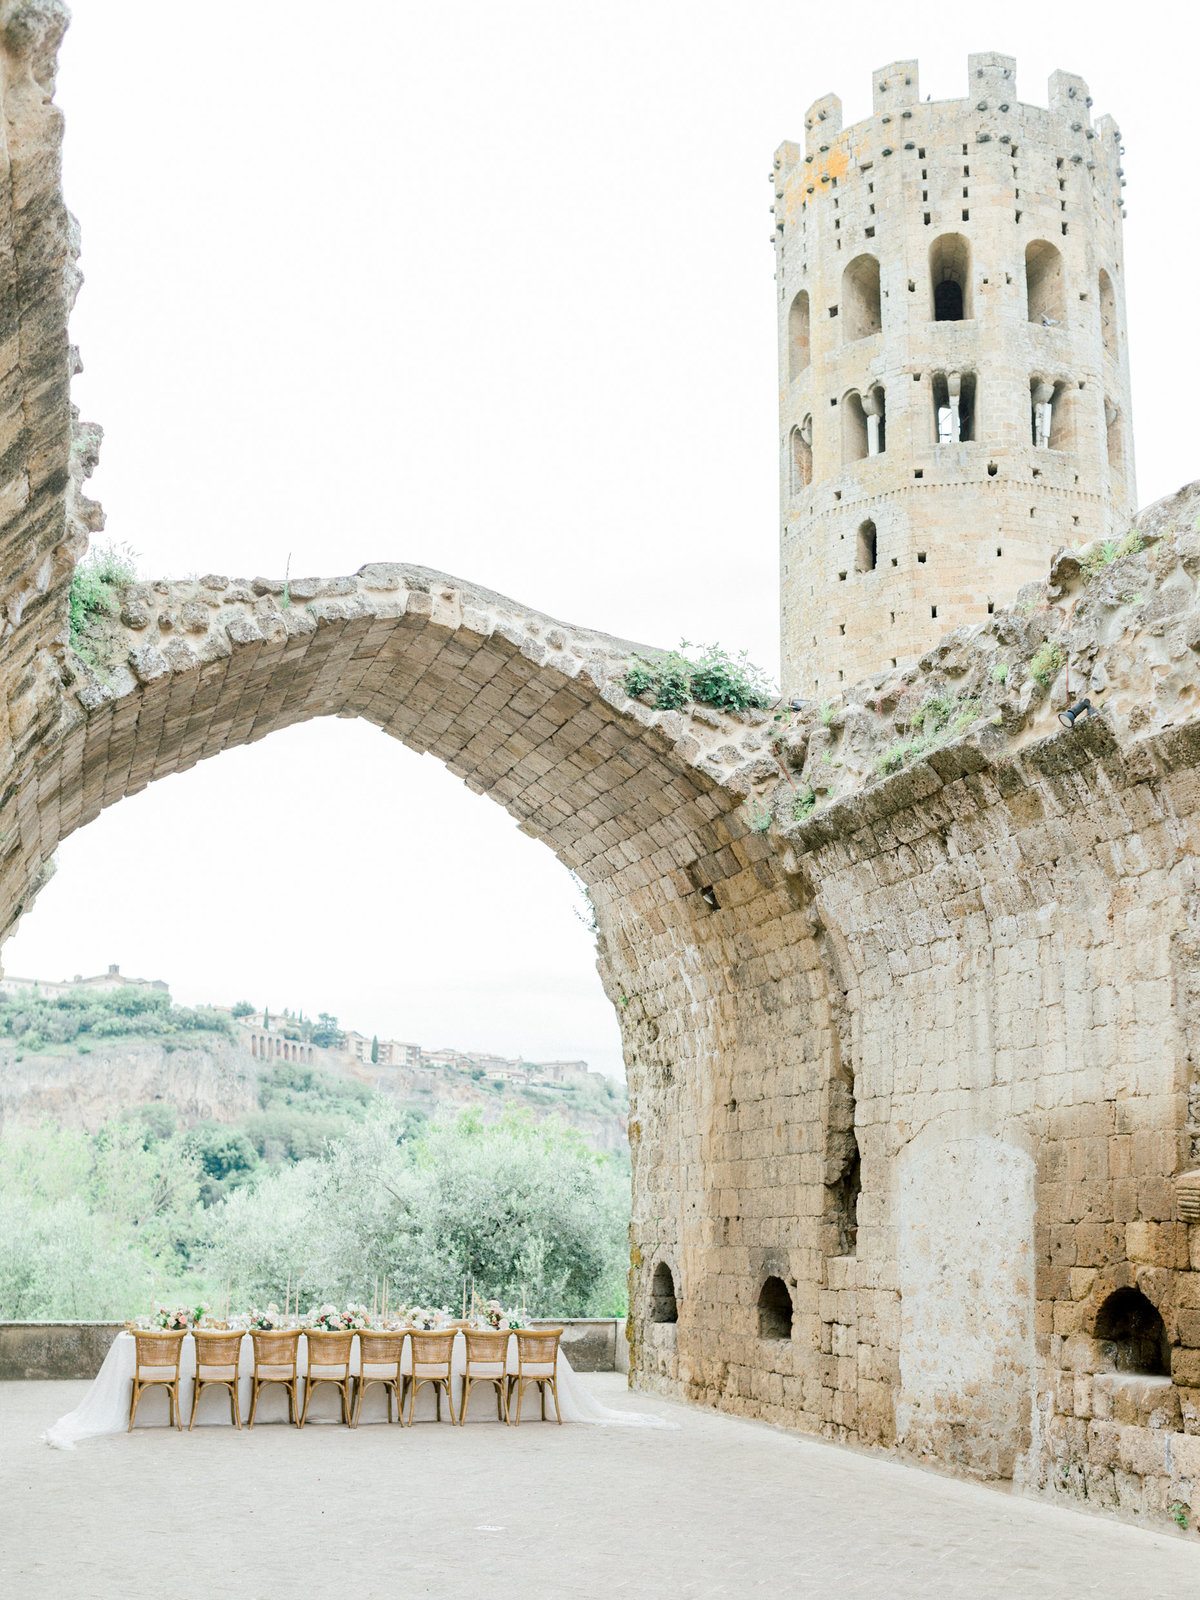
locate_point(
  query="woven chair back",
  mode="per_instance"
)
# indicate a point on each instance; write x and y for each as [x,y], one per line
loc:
[380,1347]
[327,1349]
[538,1349]
[485,1345]
[159,1348]
[216,1348]
[275,1347]
[431,1349]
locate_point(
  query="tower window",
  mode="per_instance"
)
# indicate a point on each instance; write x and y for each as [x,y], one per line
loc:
[950,278]
[861,299]
[1108,313]
[799,347]
[865,548]
[921,556]
[933,611]
[801,456]
[663,1307]
[954,406]
[1045,284]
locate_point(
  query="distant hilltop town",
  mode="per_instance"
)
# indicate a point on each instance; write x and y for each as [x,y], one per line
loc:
[280,1034]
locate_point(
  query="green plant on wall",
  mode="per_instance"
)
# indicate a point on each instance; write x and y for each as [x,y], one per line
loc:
[1047,662]
[758,816]
[93,598]
[1093,564]
[710,676]
[937,720]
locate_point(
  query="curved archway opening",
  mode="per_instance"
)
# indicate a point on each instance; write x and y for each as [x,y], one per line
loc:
[1108,314]
[775,1310]
[1132,1336]
[800,456]
[1045,284]
[950,278]
[663,1305]
[862,311]
[799,343]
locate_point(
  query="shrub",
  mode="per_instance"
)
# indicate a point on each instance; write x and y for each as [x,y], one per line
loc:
[1047,662]
[713,677]
[95,585]
[1094,563]
[803,804]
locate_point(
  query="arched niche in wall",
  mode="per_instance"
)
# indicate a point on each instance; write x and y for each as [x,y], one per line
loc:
[663,1306]
[950,278]
[862,313]
[799,341]
[1045,284]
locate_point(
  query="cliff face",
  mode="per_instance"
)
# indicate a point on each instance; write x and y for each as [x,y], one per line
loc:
[217,1080]
[213,1079]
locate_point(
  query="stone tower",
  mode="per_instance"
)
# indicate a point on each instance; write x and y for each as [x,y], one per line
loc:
[953,363]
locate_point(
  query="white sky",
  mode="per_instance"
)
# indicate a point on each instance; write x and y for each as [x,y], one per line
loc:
[484,286]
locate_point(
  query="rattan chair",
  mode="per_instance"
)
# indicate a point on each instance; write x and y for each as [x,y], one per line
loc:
[379,1353]
[217,1352]
[156,1353]
[328,1362]
[275,1353]
[432,1362]
[487,1362]
[537,1362]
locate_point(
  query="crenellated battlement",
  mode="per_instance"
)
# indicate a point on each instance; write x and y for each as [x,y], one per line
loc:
[954,381]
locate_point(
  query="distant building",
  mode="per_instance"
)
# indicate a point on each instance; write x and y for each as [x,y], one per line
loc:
[392,1052]
[114,978]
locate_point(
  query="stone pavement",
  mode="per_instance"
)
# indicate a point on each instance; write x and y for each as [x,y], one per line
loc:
[720,1507]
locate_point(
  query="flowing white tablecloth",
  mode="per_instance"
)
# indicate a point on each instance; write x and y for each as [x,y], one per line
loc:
[105,1407]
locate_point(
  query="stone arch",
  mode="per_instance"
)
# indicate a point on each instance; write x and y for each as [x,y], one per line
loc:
[775,1309]
[950,279]
[1131,1335]
[523,709]
[1108,314]
[800,456]
[799,339]
[1045,283]
[861,306]
[664,1305]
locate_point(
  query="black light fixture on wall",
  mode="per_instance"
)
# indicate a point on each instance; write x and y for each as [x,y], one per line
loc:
[1081,708]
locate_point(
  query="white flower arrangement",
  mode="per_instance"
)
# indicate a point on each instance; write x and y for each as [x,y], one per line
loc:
[490,1314]
[425,1318]
[268,1320]
[330,1319]
[173,1318]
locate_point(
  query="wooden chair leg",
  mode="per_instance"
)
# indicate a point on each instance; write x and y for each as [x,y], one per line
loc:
[176,1408]
[554,1392]
[309,1385]
[293,1402]
[196,1388]
[254,1387]
[234,1410]
[133,1404]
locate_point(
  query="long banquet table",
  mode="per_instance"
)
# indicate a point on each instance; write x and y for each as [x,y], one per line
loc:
[105,1406]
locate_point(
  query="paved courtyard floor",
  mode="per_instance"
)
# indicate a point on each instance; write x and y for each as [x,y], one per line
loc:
[720,1507]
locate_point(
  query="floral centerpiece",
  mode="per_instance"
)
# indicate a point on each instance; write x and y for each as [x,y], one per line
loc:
[268,1320]
[174,1319]
[426,1317]
[490,1314]
[330,1319]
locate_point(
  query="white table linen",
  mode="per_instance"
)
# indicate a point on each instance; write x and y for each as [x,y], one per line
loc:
[105,1407]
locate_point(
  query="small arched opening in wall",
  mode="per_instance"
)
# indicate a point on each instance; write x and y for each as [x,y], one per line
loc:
[1108,314]
[799,341]
[1045,284]
[862,313]
[774,1310]
[866,543]
[800,456]
[950,278]
[1131,1335]
[854,428]
[663,1305]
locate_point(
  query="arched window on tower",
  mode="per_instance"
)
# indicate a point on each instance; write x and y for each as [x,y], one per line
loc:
[953,407]
[663,1307]
[800,455]
[861,308]
[1115,437]
[1132,1336]
[1045,284]
[1108,314]
[799,347]
[854,429]
[864,431]
[950,278]
[1052,412]
[865,547]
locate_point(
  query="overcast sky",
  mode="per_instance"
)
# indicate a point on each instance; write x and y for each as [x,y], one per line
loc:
[487,287]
